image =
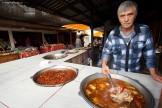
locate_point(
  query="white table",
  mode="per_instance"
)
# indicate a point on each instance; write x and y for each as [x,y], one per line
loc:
[17,89]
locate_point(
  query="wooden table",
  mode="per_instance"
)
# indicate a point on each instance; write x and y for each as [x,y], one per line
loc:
[8,57]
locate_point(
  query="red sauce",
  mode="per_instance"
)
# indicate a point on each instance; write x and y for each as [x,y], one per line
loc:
[56,76]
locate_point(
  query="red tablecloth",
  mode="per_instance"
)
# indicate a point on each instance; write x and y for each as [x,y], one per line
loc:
[52,47]
[28,53]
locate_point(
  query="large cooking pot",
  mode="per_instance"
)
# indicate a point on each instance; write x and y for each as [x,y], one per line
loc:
[150,102]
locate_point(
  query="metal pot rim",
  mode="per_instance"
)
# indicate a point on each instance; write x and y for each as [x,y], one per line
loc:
[147,94]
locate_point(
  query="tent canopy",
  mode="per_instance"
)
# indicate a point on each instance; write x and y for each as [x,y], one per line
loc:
[98,34]
[76,27]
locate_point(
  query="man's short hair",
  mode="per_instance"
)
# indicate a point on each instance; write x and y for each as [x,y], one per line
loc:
[125,5]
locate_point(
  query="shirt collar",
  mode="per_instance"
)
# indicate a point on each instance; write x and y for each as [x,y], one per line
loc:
[136,30]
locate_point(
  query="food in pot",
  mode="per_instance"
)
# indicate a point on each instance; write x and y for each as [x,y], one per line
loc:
[56,76]
[120,94]
[59,57]
[124,95]
[69,52]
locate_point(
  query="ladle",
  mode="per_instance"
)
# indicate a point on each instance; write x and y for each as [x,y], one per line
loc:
[112,84]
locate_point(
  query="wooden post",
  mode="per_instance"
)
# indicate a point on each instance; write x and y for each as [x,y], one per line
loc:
[70,38]
[43,38]
[57,38]
[11,38]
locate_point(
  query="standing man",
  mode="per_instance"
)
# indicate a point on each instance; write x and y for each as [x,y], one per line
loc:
[128,42]
[78,42]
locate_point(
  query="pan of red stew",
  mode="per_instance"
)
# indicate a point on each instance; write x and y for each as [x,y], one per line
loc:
[55,76]
[95,89]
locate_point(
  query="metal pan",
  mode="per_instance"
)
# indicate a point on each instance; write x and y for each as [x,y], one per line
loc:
[35,76]
[55,56]
[150,102]
[71,51]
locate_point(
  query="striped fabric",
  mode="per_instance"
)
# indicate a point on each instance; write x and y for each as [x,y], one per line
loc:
[140,43]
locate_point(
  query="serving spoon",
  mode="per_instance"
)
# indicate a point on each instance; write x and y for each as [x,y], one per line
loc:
[111,82]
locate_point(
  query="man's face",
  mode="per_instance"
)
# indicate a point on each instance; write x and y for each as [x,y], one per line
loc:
[126,18]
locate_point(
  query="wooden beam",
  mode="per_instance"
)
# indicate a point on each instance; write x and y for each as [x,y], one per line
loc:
[70,6]
[90,6]
[26,25]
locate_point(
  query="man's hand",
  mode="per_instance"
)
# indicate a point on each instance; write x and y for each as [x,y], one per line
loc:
[154,74]
[157,78]
[105,70]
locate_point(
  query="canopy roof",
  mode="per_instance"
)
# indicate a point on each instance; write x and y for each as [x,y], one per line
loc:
[60,12]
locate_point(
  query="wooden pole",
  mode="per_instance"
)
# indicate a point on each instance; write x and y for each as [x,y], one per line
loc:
[11,38]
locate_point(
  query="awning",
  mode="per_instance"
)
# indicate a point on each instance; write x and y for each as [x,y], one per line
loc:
[98,34]
[84,33]
[76,27]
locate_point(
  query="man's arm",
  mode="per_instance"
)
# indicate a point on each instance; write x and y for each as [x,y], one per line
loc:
[106,52]
[149,55]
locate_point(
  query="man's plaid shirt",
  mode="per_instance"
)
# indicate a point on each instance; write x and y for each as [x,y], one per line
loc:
[140,43]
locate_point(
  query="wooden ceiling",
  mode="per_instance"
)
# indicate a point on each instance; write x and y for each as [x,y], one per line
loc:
[92,12]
